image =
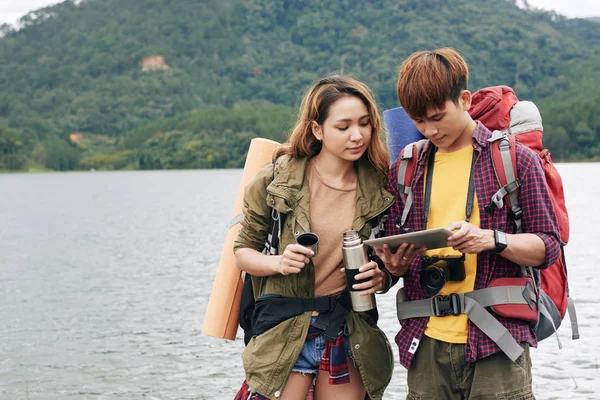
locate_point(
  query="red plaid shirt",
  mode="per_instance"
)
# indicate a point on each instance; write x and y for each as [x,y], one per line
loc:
[538,218]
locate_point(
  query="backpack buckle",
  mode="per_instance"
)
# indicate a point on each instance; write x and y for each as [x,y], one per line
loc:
[446,305]
[382,222]
[517,212]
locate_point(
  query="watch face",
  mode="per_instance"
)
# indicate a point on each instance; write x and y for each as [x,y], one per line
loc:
[500,239]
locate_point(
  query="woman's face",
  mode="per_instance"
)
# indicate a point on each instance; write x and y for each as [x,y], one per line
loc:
[346,133]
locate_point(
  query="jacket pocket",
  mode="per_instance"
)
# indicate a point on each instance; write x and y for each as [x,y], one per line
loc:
[372,353]
[269,357]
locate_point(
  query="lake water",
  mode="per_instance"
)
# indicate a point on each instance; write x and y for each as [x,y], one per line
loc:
[105,278]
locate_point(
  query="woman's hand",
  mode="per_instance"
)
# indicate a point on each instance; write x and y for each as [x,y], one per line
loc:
[293,259]
[376,279]
[398,263]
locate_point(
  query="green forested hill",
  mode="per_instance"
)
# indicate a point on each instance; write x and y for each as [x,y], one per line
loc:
[80,69]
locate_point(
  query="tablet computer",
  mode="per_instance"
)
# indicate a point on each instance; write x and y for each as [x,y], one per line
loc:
[430,239]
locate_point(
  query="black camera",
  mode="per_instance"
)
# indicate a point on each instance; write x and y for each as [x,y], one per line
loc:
[436,271]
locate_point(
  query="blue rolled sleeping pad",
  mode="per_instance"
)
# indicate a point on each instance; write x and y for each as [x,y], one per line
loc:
[399,131]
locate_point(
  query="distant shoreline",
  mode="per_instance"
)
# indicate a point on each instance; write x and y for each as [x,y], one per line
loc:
[45,170]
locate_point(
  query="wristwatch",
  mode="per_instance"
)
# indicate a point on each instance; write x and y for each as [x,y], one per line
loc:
[500,240]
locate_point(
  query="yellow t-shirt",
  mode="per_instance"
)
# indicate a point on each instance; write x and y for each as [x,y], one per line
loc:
[450,183]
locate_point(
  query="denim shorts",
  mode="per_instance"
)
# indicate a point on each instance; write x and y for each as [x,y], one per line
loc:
[312,352]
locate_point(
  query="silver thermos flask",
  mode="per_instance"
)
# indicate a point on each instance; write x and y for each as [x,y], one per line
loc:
[355,256]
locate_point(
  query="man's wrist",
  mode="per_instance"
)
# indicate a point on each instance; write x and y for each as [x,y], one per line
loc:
[500,241]
[489,233]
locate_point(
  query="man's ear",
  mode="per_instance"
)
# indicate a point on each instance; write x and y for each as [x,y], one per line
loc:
[465,99]
[316,130]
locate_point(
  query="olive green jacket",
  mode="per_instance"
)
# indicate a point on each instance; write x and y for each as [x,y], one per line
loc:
[269,357]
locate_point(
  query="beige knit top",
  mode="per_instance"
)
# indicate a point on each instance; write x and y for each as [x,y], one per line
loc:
[332,211]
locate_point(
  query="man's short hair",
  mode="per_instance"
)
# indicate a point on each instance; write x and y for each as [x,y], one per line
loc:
[427,79]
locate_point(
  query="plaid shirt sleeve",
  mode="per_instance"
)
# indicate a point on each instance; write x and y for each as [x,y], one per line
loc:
[539,217]
[395,211]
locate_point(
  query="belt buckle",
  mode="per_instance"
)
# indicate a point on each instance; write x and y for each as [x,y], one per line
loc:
[446,305]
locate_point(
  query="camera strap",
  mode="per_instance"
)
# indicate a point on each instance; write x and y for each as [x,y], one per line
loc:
[428,183]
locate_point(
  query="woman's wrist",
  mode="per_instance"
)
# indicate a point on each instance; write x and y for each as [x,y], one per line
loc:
[274,265]
[387,282]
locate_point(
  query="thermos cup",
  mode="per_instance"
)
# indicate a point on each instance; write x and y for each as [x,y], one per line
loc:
[309,240]
[355,256]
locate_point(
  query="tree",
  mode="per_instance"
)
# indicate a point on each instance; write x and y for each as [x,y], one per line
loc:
[11,150]
[60,156]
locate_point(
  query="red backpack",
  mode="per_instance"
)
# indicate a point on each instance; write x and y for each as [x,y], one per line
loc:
[496,107]
[499,109]
[511,120]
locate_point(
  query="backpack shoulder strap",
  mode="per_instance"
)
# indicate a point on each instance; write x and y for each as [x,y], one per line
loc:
[247,302]
[407,169]
[504,160]
[274,232]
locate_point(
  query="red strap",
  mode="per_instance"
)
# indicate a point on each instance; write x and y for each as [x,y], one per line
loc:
[498,163]
[411,168]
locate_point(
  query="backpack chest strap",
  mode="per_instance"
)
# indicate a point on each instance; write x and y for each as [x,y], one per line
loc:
[473,305]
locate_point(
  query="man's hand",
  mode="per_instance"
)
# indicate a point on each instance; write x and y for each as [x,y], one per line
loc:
[469,239]
[398,263]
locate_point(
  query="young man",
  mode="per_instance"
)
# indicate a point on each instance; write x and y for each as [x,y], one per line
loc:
[447,355]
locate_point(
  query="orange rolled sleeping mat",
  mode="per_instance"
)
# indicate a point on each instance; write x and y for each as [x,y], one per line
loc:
[222,314]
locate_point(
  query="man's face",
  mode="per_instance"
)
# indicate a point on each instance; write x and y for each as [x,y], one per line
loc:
[447,128]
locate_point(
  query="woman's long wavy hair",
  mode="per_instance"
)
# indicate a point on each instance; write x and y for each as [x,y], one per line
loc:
[315,107]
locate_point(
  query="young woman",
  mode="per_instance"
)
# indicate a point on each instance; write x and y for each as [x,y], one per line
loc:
[328,179]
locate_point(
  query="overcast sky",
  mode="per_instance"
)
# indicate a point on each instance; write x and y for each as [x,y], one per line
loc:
[12,10]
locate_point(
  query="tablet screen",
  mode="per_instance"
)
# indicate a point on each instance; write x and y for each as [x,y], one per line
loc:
[430,239]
